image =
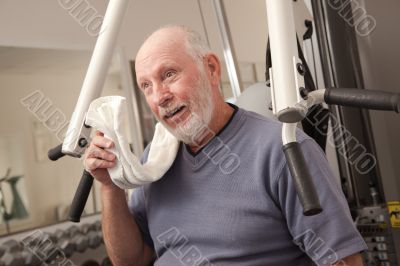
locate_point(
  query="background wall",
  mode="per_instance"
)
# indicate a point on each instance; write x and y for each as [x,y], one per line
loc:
[47,185]
[46,24]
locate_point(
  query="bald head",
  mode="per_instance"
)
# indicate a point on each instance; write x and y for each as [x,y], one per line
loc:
[177,37]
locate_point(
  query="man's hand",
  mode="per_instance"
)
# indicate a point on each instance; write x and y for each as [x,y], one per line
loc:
[97,159]
[122,235]
[353,260]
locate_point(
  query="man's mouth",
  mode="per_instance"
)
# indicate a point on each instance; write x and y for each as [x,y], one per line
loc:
[174,112]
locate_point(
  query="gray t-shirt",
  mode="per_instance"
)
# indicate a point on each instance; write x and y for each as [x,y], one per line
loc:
[234,203]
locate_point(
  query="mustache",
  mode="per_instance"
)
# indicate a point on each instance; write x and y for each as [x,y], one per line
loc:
[170,109]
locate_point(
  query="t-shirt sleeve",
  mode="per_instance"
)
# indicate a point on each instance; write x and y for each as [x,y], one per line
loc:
[330,235]
[137,207]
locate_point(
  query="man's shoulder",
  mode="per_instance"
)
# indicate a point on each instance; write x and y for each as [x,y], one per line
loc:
[260,126]
[259,123]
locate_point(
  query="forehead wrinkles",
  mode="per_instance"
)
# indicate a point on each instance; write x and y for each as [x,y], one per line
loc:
[154,54]
[152,65]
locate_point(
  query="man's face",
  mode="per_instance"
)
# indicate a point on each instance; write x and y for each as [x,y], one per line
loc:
[176,88]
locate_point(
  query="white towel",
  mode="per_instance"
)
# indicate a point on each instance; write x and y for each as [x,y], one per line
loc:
[107,114]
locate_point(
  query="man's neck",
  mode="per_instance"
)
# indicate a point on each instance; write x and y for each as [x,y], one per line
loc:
[221,118]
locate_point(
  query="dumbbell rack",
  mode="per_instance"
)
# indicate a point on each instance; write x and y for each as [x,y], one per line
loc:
[60,244]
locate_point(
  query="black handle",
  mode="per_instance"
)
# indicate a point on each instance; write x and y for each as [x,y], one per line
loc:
[55,153]
[369,99]
[81,196]
[302,179]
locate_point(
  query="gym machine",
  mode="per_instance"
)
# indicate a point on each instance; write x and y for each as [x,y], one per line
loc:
[78,134]
[290,100]
[336,48]
[363,190]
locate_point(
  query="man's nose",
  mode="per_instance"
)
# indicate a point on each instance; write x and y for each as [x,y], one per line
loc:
[163,96]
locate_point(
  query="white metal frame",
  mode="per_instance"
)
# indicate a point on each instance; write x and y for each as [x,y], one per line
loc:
[95,77]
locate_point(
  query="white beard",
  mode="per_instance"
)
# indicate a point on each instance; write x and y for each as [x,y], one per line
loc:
[195,128]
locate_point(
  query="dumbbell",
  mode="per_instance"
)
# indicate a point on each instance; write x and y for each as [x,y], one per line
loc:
[99,231]
[30,259]
[11,246]
[13,259]
[65,242]
[12,253]
[58,234]
[91,231]
[67,246]
[97,225]
[40,248]
[90,263]
[106,262]
[29,252]
[81,242]
[77,239]
[86,228]
[2,251]
[73,230]
[95,239]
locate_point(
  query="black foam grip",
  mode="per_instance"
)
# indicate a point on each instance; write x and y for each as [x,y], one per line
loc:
[55,153]
[302,179]
[81,196]
[369,99]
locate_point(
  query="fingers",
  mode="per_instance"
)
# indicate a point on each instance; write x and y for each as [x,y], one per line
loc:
[98,153]
[102,142]
[96,157]
[93,164]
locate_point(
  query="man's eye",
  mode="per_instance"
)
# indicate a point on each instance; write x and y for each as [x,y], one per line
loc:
[169,73]
[145,85]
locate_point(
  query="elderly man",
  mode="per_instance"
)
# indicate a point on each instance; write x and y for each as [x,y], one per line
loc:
[228,198]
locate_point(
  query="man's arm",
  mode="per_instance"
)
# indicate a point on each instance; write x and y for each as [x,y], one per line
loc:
[122,236]
[334,227]
[353,260]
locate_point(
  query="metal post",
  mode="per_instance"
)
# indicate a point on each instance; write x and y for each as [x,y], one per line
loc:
[95,77]
[131,102]
[229,52]
[286,80]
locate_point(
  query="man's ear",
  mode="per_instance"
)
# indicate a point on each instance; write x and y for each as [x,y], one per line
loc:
[213,67]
